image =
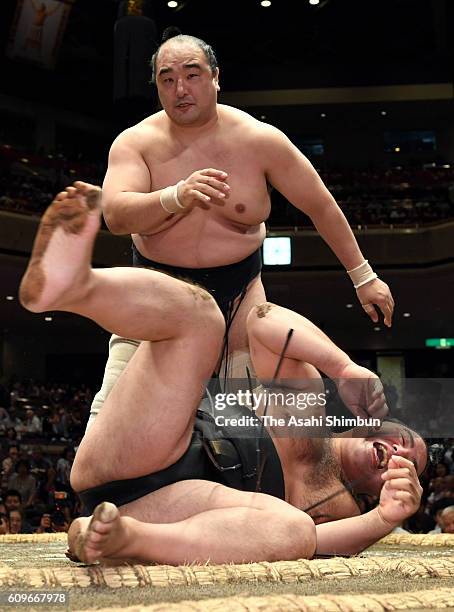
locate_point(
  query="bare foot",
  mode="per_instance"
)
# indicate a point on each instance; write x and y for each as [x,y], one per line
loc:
[60,262]
[362,392]
[106,536]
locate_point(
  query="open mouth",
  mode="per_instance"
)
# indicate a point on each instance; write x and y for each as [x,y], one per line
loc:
[381,455]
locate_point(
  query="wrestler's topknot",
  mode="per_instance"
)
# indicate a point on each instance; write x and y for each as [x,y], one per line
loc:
[173,32]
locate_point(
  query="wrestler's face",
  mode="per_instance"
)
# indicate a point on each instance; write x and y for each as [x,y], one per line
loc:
[187,87]
[365,459]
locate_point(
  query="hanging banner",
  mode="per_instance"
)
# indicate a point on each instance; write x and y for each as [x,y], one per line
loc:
[37,30]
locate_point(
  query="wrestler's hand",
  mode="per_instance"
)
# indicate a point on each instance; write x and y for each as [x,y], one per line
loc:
[362,392]
[377,293]
[204,187]
[400,496]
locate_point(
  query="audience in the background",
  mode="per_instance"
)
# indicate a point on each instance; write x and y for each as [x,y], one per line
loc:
[49,420]
[4,522]
[23,482]
[32,423]
[447,520]
[397,196]
[9,463]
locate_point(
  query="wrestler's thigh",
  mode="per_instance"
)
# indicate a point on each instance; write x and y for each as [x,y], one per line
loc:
[181,500]
[255,294]
[147,419]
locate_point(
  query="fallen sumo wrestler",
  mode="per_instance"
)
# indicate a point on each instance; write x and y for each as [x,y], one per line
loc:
[151,421]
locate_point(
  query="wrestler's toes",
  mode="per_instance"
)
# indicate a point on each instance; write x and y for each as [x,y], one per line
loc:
[105,512]
[99,528]
[93,536]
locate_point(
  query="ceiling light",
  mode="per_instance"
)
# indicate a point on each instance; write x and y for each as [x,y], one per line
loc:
[48,319]
[314,2]
[377,328]
[172,4]
[265,3]
[10,298]
[348,305]
[407,314]
[322,115]
[397,149]
[383,113]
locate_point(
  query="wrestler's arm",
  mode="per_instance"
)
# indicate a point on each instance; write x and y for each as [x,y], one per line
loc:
[129,206]
[292,174]
[400,498]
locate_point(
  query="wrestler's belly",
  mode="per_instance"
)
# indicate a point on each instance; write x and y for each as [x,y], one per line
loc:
[201,242]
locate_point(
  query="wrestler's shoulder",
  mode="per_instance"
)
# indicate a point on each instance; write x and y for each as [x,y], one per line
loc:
[149,128]
[246,123]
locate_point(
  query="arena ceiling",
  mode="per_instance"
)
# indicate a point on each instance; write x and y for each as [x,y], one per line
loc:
[290,44]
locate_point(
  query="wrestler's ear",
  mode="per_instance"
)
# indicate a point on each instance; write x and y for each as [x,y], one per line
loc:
[216,79]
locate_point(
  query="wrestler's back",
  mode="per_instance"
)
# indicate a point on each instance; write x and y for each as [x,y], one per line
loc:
[229,230]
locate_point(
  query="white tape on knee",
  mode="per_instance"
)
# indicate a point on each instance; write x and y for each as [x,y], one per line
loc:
[169,199]
[362,274]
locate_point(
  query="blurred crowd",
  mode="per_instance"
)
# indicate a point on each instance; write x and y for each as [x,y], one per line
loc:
[382,198]
[41,425]
[395,197]
[29,181]
[372,198]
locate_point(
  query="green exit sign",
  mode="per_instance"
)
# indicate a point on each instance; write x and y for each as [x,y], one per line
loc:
[440,343]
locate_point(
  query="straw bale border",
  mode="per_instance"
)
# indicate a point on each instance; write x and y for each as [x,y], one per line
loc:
[287,572]
[33,538]
[419,539]
[423,600]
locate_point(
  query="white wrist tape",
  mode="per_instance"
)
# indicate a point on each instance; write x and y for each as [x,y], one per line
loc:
[362,274]
[169,199]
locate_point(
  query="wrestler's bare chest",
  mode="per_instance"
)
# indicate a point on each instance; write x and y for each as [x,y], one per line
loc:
[208,234]
[248,201]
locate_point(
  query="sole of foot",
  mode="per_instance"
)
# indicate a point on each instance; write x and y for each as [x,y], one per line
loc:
[61,257]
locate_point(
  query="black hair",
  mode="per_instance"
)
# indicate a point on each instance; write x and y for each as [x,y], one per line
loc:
[13,492]
[173,32]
